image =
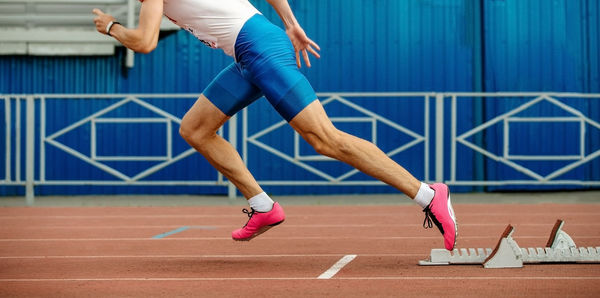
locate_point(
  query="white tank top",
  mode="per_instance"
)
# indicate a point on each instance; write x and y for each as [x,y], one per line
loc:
[215,22]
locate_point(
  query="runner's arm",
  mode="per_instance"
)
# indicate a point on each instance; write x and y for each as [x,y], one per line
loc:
[142,39]
[302,44]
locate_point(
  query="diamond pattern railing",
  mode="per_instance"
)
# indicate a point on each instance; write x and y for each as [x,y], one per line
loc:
[538,110]
[446,143]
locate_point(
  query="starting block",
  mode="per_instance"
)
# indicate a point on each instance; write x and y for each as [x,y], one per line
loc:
[560,248]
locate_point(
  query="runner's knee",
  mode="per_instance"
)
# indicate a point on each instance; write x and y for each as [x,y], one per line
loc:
[193,131]
[185,129]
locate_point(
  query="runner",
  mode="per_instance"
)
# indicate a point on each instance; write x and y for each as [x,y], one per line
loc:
[267,62]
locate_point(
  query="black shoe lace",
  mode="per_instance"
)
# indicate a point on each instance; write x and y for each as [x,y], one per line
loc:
[249,213]
[429,217]
[427,221]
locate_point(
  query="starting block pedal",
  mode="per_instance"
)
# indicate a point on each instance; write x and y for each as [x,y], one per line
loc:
[560,248]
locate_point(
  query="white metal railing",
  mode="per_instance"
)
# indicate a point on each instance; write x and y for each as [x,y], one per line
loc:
[527,101]
[459,141]
[46,138]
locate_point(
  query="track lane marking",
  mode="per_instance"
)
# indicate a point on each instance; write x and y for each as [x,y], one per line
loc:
[379,215]
[307,226]
[516,278]
[207,256]
[163,235]
[278,238]
[333,270]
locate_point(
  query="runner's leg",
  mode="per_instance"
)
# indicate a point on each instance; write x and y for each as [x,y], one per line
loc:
[315,127]
[199,128]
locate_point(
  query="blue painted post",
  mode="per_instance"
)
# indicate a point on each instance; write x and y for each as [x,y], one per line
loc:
[478,83]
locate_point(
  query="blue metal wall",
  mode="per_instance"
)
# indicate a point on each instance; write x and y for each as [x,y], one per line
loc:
[539,45]
[382,45]
[374,45]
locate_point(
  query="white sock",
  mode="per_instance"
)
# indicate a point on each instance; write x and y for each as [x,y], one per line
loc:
[261,202]
[424,196]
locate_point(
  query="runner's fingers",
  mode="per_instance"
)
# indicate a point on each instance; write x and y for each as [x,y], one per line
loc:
[314,44]
[312,51]
[298,59]
[306,59]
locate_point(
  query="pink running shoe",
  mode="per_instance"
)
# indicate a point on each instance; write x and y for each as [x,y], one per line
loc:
[259,223]
[441,212]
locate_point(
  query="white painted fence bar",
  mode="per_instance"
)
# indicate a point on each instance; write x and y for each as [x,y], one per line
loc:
[439,137]
[7,131]
[434,130]
[30,150]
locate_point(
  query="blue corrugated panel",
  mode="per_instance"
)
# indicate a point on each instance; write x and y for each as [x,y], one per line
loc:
[539,45]
[594,73]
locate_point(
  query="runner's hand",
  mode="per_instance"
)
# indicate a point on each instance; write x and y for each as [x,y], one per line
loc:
[101,20]
[302,44]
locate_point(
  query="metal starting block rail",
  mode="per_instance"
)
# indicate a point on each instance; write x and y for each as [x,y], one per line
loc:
[560,248]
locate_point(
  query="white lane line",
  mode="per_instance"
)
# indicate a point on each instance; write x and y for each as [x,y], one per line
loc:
[515,278]
[337,267]
[272,238]
[108,227]
[176,216]
[307,226]
[472,278]
[204,256]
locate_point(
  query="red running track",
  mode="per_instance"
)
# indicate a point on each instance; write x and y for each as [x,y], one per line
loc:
[112,252]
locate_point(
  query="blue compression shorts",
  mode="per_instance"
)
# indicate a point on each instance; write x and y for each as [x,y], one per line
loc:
[265,65]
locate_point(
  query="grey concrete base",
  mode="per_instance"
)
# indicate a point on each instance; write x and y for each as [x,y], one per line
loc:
[574,197]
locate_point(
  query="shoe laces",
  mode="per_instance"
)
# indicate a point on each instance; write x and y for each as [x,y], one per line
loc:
[249,213]
[430,219]
[427,224]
